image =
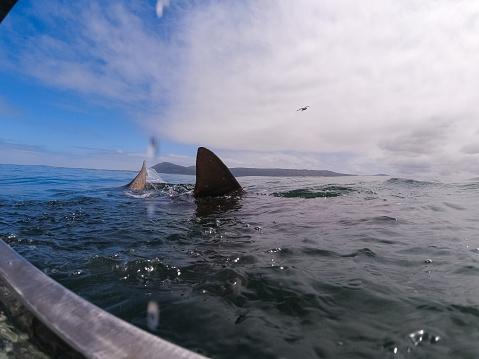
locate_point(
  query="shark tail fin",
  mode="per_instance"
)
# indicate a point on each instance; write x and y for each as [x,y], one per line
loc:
[139,183]
[213,178]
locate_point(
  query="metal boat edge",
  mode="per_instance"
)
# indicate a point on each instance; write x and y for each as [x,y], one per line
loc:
[79,328]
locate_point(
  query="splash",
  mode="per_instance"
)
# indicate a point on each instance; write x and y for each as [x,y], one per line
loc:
[153,176]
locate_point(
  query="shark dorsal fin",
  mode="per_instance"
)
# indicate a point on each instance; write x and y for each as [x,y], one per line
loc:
[213,178]
[139,183]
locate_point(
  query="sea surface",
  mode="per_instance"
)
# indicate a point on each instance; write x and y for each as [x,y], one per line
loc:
[305,267]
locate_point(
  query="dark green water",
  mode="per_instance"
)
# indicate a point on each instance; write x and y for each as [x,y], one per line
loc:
[346,267]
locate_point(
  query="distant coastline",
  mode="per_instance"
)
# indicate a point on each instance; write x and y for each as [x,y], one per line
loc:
[170,168]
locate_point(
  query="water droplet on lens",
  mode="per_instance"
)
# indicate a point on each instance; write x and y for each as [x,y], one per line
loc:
[152,315]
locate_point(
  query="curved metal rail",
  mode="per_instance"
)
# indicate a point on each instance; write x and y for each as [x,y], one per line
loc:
[82,326]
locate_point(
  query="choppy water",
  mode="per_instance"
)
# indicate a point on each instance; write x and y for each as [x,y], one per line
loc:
[350,267]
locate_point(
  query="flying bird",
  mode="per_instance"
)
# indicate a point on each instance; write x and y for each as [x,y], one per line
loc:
[302,108]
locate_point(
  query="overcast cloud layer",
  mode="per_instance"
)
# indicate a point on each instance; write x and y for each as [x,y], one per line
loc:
[393,81]
[392,85]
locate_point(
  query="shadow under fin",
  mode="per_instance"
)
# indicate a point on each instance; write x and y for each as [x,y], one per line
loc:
[213,178]
[139,183]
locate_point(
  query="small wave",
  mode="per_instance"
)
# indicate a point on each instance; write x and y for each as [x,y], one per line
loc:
[161,189]
[361,252]
[422,336]
[136,272]
[142,194]
[455,206]
[378,220]
[473,186]
[410,182]
[225,282]
[323,192]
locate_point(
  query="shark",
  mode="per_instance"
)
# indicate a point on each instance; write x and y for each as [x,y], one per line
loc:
[139,182]
[213,178]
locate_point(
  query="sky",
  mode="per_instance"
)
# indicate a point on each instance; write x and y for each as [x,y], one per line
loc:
[392,86]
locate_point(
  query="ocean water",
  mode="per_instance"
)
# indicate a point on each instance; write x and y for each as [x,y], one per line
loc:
[310,267]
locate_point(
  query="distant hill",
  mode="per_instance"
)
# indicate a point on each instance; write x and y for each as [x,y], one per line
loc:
[170,168]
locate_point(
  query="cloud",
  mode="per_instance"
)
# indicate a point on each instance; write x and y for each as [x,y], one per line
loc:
[102,51]
[374,74]
[471,148]
[26,154]
[9,110]
[391,83]
[423,139]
